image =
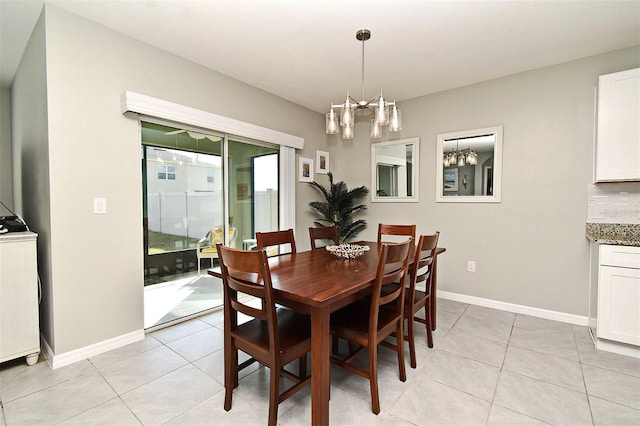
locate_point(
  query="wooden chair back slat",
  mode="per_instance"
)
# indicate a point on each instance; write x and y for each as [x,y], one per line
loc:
[247,273]
[396,230]
[392,270]
[323,233]
[264,240]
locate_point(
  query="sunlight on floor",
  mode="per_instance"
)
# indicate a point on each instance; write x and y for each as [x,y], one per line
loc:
[181,297]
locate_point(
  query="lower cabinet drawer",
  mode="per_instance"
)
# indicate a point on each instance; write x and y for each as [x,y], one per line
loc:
[622,256]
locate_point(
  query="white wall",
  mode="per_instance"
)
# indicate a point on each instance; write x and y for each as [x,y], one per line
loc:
[95,286]
[531,248]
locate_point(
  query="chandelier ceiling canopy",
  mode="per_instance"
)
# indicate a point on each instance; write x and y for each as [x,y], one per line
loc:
[343,115]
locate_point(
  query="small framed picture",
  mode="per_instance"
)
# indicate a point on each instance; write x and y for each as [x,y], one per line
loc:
[242,191]
[305,169]
[322,162]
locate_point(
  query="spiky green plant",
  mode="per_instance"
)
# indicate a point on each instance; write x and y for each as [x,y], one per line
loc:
[339,207]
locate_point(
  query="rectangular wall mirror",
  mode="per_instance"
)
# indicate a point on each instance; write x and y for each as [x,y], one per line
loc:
[469,166]
[395,171]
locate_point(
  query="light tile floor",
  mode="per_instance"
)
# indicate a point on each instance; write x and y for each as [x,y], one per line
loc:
[488,367]
[181,296]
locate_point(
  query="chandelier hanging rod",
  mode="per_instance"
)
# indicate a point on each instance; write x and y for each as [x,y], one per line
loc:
[363,35]
[378,104]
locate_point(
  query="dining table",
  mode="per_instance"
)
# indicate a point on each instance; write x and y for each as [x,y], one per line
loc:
[318,283]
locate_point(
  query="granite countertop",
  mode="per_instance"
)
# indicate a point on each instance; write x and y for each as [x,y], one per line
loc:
[622,234]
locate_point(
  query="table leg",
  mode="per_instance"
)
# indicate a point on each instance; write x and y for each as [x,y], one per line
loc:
[433,293]
[320,366]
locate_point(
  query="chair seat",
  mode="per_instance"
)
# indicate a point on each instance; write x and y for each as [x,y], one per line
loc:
[420,297]
[294,330]
[353,320]
[211,250]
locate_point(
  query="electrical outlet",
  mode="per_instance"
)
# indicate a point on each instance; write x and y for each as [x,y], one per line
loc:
[471,266]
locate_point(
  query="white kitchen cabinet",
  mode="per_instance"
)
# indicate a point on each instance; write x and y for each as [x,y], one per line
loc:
[19,328]
[619,294]
[618,134]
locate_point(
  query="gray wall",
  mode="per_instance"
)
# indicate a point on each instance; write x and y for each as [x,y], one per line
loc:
[530,249]
[95,285]
[6,186]
[32,199]
[71,144]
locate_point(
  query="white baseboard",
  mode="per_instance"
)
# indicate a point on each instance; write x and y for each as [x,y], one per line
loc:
[60,360]
[618,348]
[46,349]
[518,309]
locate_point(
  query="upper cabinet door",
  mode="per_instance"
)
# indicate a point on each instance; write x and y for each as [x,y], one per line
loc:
[618,142]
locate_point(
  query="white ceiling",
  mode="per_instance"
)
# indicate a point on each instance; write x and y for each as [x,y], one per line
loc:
[305,50]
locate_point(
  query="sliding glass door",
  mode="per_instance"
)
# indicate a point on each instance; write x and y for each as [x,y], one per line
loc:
[198,184]
[253,191]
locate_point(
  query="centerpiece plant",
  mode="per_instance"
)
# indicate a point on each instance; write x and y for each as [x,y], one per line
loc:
[338,207]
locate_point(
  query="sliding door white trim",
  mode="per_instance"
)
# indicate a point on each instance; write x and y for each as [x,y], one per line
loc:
[154,107]
[288,187]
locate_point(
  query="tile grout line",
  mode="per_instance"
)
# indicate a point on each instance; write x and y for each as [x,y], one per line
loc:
[584,383]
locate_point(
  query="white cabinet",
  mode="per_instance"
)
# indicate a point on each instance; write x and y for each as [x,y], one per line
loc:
[19,328]
[618,135]
[619,294]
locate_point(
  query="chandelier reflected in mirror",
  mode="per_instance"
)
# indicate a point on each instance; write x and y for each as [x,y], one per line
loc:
[460,157]
[385,113]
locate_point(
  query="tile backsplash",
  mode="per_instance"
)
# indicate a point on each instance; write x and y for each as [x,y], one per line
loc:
[614,203]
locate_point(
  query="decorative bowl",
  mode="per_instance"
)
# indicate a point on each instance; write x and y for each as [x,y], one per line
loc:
[347,251]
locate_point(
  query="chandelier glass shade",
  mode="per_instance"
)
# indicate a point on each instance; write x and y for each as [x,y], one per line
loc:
[460,157]
[385,113]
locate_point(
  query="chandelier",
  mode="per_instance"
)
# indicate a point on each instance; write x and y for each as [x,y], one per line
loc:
[460,157]
[345,117]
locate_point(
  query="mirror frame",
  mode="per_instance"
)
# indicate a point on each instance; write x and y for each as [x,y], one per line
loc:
[415,172]
[497,166]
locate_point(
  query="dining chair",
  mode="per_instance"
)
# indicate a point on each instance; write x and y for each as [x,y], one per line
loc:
[385,317]
[396,230]
[273,337]
[267,241]
[323,233]
[420,271]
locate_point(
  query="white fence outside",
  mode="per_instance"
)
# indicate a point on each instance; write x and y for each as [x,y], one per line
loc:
[192,214]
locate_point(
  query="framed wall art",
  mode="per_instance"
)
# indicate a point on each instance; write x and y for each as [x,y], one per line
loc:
[322,162]
[305,169]
[450,180]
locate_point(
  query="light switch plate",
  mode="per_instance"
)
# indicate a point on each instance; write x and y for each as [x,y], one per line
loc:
[100,205]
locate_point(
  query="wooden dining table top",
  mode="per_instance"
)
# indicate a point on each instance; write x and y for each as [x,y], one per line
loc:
[317,277]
